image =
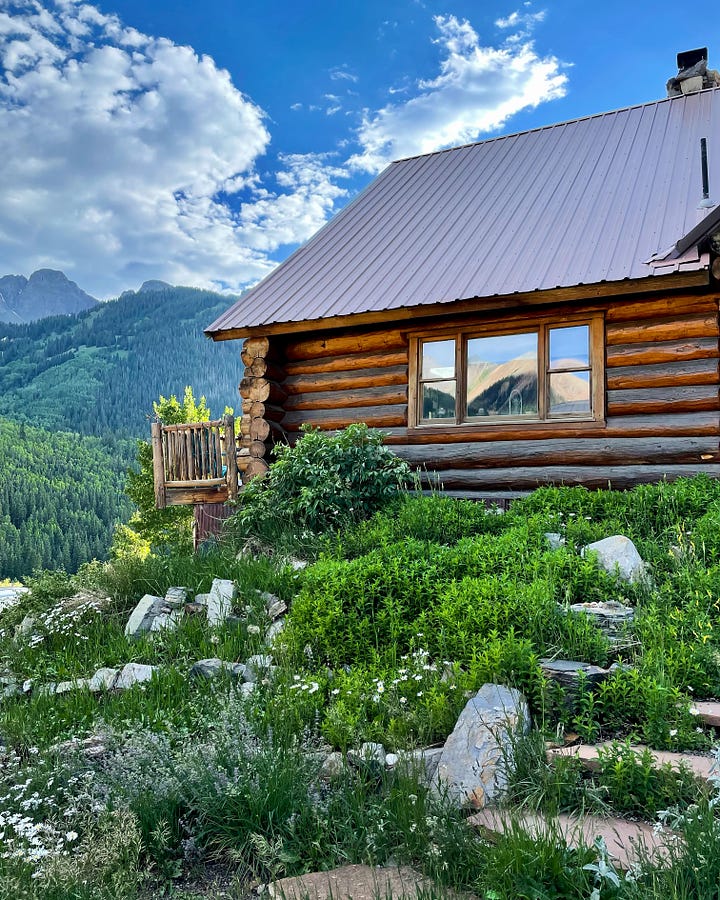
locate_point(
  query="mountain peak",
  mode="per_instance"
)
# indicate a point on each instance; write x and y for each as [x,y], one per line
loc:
[48,292]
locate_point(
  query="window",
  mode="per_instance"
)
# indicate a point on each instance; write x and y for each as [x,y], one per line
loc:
[544,373]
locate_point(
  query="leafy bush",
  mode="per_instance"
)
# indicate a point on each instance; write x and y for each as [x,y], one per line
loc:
[324,481]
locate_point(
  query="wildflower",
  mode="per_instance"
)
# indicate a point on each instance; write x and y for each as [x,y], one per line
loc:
[71,836]
[673,732]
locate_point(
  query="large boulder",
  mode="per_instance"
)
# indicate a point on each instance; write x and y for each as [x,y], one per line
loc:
[472,765]
[132,674]
[618,556]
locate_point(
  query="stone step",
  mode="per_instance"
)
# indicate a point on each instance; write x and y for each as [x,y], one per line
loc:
[627,842]
[707,711]
[360,882]
[703,767]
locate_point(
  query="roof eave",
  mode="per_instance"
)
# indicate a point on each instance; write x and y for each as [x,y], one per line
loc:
[673,281]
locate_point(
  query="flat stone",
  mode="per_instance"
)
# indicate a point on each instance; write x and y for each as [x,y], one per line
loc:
[176,597]
[356,883]
[103,680]
[618,556]
[708,711]
[567,671]
[274,606]
[206,668]
[141,618]
[220,601]
[202,599]
[702,767]
[628,843]
[25,628]
[555,540]
[65,687]
[472,765]
[134,673]
[609,615]
[91,747]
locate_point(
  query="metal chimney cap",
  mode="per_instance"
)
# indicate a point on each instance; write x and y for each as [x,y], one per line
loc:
[689,58]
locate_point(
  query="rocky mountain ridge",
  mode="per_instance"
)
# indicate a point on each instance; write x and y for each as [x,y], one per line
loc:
[47,292]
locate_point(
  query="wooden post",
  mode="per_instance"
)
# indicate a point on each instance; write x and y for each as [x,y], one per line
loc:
[158,464]
[231,456]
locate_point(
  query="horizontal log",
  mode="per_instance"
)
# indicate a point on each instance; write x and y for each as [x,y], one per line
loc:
[372,396]
[349,363]
[517,478]
[196,483]
[342,381]
[254,347]
[347,343]
[661,307]
[658,354]
[577,451]
[487,497]
[690,326]
[377,416]
[695,371]
[690,424]
[662,400]
[190,496]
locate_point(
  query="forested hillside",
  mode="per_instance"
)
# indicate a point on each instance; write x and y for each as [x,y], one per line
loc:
[61,495]
[75,391]
[97,372]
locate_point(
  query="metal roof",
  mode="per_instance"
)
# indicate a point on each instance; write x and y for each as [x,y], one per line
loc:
[599,199]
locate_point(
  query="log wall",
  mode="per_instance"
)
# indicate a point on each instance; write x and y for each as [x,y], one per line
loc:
[662,406]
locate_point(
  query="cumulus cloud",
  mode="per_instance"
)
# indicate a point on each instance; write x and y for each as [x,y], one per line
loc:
[124,156]
[476,91]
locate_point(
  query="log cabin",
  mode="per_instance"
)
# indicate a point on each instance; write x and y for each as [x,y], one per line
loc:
[536,308]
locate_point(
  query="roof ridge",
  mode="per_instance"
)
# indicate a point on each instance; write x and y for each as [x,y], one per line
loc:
[600,115]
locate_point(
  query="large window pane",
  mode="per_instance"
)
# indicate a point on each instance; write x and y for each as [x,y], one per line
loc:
[438,400]
[502,375]
[570,394]
[438,359]
[570,347]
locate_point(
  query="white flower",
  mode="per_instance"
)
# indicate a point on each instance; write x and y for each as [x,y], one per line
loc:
[71,836]
[672,732]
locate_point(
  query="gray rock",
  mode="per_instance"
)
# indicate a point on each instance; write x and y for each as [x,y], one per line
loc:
[176,597]
[609,615]
[207,668]
[391,760]
[103,680]
[27,686]
[134,673]
[274,629]
[472,765]
[274,606]
[421,763]
[46,690]
[236,670]
[166,621]
[618,556]
[247,688]
[202,599]
[91,747]
[220,601]
[554,540]
[65,687]
[567,671]
[9,687]
[333,766]
[141,618]
[297,564]
[257,667]
[25,628]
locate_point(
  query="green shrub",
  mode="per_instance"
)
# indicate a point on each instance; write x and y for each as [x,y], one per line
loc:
[322,482]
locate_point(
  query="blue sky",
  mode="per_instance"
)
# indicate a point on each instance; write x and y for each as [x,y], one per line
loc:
[202,142]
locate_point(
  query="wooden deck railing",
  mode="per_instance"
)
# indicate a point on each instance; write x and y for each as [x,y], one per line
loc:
[194,463]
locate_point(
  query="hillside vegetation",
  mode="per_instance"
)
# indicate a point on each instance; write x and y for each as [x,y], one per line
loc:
[61,496]
[407,606]
[97,372]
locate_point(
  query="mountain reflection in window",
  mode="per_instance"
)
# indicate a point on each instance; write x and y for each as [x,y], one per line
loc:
[438,401]
[502,375]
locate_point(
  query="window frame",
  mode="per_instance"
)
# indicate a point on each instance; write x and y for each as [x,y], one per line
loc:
[540,325]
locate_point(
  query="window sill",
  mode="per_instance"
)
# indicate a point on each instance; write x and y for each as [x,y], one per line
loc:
[514,424]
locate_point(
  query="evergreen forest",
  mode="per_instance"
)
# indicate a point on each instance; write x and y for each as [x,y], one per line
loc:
[76,392]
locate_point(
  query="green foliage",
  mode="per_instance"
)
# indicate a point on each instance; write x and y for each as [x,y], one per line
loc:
[149,526]
[322,482]
[61,495]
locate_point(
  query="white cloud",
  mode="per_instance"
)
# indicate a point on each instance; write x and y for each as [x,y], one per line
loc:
[121,153]
[477,90]
[343,73]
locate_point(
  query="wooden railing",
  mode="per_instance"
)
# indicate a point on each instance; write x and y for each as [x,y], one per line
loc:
[194,463]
